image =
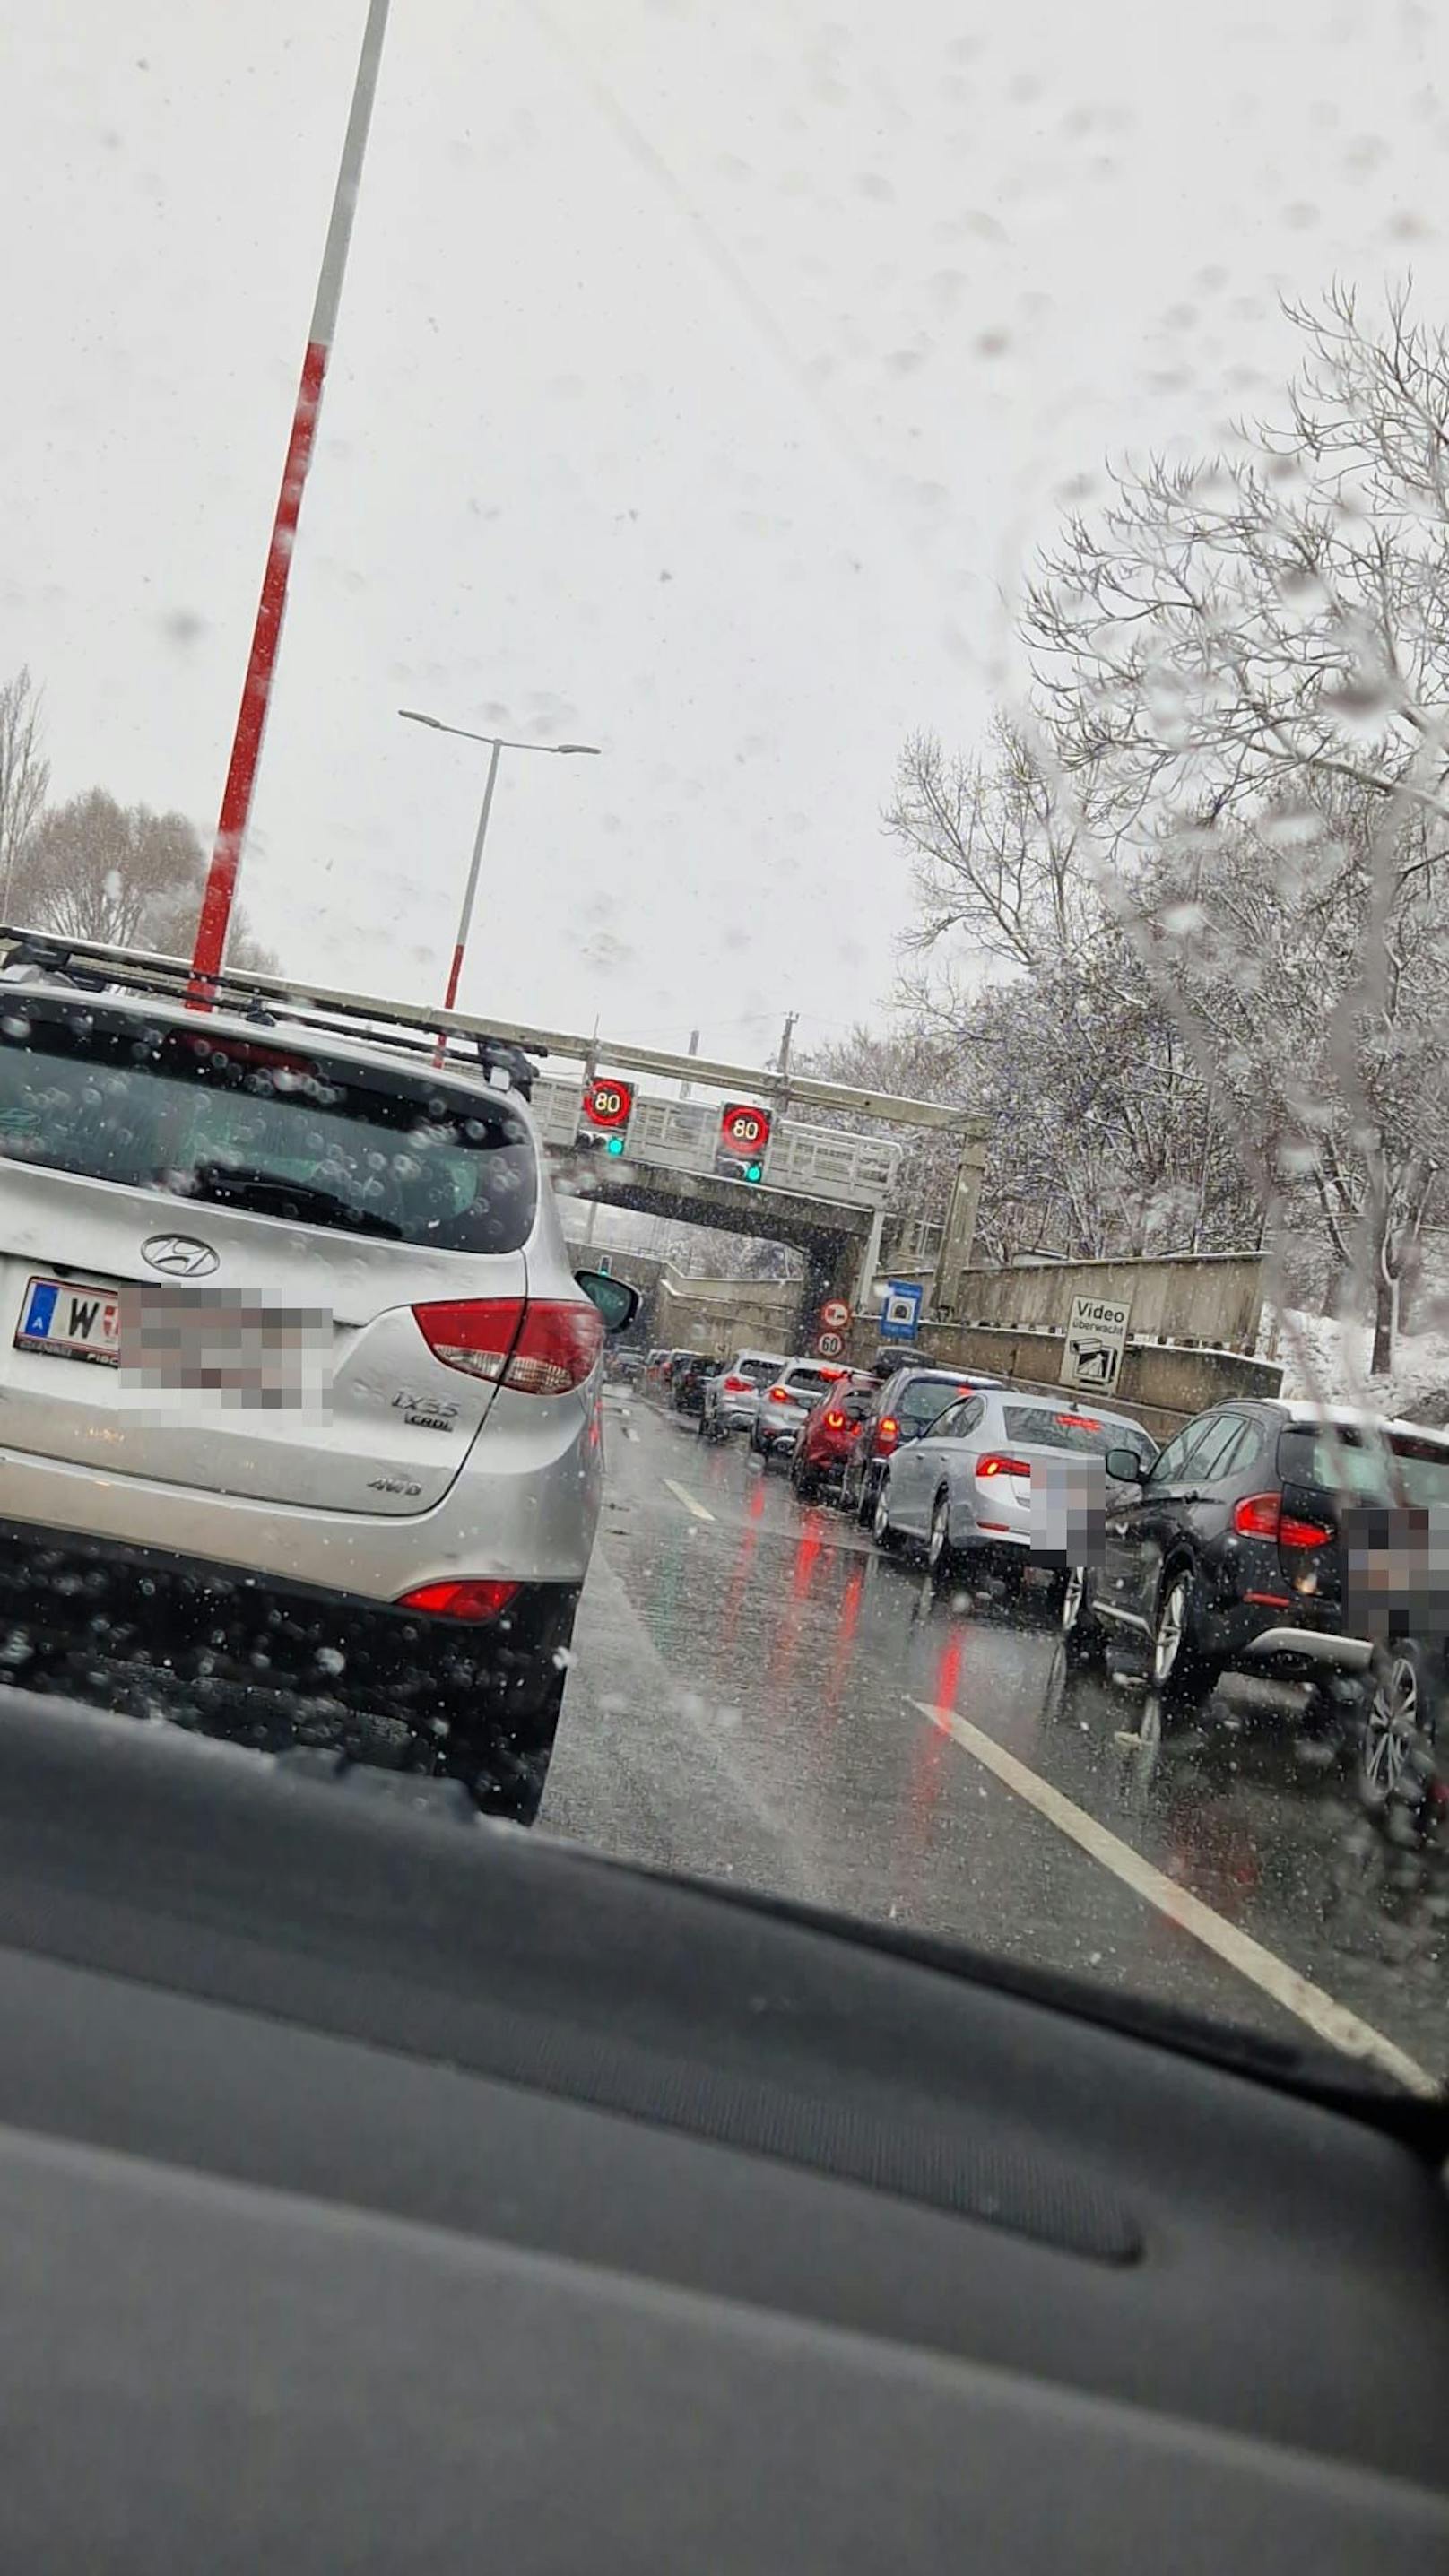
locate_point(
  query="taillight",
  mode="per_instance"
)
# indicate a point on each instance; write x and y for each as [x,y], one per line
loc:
[779,1395]
[996,1465]
[1263,1516]
[835,1422]
[736,1386]
[473,1597]
[537,1345]
[887,1432]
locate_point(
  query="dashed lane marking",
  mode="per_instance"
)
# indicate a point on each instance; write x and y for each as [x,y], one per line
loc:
[1328,2019]
[687,1499]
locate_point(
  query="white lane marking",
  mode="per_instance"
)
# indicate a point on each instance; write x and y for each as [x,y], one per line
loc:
[688,1500]
[1330,2020]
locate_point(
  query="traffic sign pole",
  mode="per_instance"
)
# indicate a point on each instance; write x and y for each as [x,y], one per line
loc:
[251,724]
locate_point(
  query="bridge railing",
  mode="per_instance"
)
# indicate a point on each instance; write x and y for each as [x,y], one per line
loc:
[684,1136]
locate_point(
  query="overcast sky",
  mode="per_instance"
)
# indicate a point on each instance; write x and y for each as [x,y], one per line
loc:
[703,376]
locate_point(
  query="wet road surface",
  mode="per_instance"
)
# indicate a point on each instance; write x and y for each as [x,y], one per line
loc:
[758,1695]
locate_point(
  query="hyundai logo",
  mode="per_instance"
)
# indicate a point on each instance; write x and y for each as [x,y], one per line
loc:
[180,1256]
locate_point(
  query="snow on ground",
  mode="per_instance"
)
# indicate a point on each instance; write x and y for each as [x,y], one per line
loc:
[1329,1360]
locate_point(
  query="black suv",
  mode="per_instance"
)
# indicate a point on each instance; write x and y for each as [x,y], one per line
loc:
[1229,1550]
[902,1408]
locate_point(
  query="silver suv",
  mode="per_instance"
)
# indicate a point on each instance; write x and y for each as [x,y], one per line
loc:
[299,1396]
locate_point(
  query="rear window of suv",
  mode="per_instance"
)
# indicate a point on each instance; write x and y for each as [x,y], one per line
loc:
[807,1381]
[222,1121]
[1350,1460]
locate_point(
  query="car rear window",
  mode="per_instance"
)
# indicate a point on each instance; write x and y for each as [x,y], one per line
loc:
[227,1122]
[1351,1460]
[759,1372]
[812,1381]
[922,1398]
[1041,1426]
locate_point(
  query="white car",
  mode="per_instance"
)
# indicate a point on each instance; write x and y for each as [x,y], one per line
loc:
[786,1404]
[732,1397]
[297,1386]
[970,1490]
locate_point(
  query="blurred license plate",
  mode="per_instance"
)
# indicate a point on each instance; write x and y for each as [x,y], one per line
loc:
[71,1321]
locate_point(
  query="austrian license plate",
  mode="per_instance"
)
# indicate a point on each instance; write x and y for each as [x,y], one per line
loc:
[71,1321]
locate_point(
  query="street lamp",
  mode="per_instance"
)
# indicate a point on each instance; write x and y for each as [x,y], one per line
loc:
[498,744]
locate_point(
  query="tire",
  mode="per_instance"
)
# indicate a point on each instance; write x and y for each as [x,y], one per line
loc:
[1178,1671]
[940,1554]
[865,1503]
[1082,1640]
[505,1770]
[887,1539]
[1394,1757]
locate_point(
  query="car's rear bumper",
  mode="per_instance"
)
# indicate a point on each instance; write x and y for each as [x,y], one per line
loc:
[526,1508]
[267,1661]
[1318,1646]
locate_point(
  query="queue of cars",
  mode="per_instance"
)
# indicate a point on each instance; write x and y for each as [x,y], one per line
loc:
[1307,1545]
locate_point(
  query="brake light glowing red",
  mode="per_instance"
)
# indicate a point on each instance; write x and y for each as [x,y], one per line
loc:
[735,1386]
[779,1395]
[996,1465]
[1076,1422]
[1263,1516]
[471,1597]
[536,1346]
[887,1432]
[835,1422]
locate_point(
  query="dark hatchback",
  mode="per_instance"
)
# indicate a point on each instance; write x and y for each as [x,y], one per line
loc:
[1230,1549]
[686,1380]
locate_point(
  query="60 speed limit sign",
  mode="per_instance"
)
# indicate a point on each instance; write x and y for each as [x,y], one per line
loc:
[829,1346]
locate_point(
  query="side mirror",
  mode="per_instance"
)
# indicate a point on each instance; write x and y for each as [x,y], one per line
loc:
[1125,1467]
[615,1299]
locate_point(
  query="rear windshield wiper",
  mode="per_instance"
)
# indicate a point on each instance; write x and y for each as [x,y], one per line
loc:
[240,1185]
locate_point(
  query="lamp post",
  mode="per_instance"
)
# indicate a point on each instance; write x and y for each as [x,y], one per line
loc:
[497,745]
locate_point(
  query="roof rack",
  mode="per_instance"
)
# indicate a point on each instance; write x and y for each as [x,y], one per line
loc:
[405,1028]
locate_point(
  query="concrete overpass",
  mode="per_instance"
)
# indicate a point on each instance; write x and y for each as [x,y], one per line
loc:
[821,1186]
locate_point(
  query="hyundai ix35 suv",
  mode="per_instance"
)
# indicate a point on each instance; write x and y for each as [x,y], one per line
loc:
[299,1396]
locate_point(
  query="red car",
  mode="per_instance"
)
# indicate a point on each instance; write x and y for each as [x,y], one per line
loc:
[826,1437]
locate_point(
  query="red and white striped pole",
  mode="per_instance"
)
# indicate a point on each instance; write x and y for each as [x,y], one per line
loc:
[251,723]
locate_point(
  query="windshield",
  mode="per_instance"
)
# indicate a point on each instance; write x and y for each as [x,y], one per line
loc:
[813,703]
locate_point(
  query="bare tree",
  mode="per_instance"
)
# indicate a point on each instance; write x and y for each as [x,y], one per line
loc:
[94,869]
[994,851]
[1272,618]
[24,775]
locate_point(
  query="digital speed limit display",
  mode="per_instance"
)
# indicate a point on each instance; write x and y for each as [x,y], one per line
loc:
[745,1129]
[608,1104]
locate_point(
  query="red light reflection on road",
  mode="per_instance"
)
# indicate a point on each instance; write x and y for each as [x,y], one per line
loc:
[845,1626]
[931,1754]
[787,1629]
[734,1598]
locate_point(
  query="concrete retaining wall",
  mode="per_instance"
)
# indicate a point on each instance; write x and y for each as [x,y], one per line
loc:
[1163,1387]
[1214,1299]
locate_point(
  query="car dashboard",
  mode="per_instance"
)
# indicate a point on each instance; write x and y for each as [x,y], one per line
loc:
[382,2188]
